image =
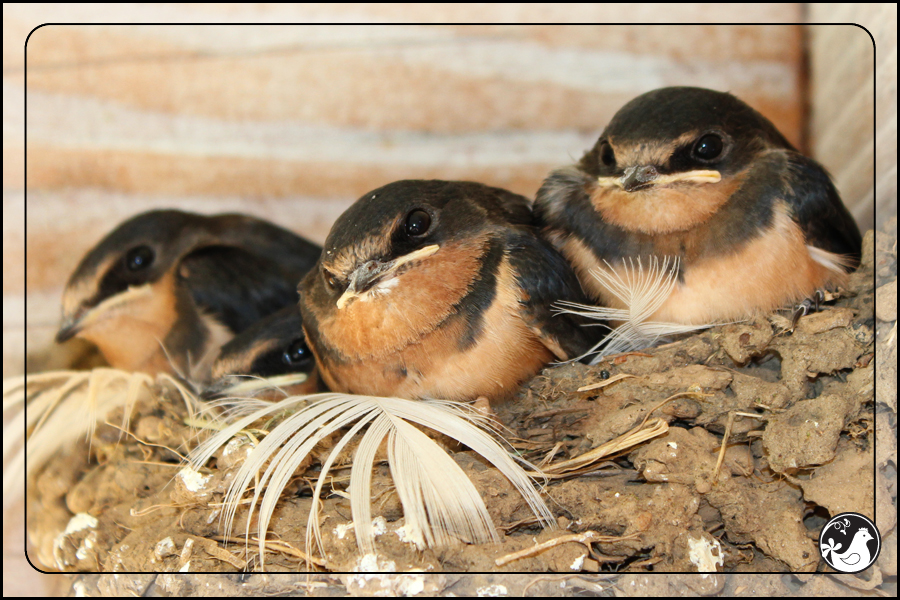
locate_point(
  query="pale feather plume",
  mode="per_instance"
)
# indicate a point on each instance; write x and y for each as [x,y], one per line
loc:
[439,501]
[643,290]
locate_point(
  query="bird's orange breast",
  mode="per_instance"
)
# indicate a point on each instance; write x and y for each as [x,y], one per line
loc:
[434,365]
[772,270]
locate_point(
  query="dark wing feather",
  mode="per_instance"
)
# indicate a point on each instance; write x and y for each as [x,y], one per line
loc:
[508,207]
[517,209]
[293,254]
[236,286]
[546,277]
[818,209]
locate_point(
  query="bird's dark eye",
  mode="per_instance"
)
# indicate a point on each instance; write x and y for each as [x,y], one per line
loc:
[607,155]
[708,147]
[330,279]
[139,258]
[297,353]
[417,222]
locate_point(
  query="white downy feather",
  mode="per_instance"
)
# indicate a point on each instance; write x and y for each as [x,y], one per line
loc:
[834,262]
[246,385]
[63,406]
[439,501]
[643,291]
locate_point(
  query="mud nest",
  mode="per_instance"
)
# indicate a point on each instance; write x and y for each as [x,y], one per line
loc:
[798,406]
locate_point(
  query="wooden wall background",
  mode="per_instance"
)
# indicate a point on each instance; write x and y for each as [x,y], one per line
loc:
[294,123]
[849,99]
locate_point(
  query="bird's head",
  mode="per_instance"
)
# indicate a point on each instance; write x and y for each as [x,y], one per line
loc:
[397,262]
[270,354]
[670,158]
[119,276]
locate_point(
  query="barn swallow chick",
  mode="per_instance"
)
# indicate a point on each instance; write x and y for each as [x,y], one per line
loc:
[438,289]
[166,289]
[700,177]
[270,355]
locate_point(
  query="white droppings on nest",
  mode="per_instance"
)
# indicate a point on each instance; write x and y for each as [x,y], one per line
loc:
[193,480]
[86,544]
[79,522]
[379,526]
[234,446]
[492,591]
[371,572]
[341,530]
[231,446]
[369,563]
[411,535]
[702,556]
[410,585]
[165,547]
[579,562]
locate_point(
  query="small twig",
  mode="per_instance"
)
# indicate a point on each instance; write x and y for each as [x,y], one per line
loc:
[213,549]
[669,399]
[286,548]
[602,384]
[619,358]
[154,508]
[140,441]
[586,538]
[237,503]
[550,455]
[728,427]
[627,440]
[646,563]
[517,524]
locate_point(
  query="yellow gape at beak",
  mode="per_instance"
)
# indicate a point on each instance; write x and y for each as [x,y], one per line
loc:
[639,178]
[374,272]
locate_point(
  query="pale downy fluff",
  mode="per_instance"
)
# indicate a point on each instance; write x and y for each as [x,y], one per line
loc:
[439,501]
[63,406]
[642,290]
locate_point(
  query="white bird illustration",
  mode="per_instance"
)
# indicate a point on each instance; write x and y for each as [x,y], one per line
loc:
[855,557]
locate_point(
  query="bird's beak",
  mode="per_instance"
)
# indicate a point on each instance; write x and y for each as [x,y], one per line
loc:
[71,326]
[645,176]
[86,316]
[636,178]
[373,272]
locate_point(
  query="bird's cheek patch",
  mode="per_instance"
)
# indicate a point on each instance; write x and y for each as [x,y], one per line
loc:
[82,289]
